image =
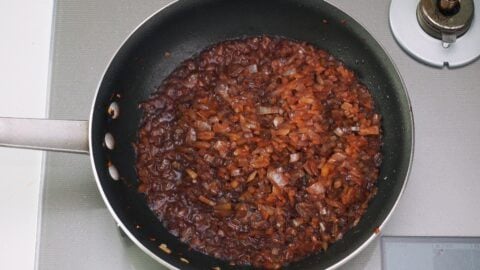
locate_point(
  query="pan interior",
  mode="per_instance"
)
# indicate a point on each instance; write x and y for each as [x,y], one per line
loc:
[187,27]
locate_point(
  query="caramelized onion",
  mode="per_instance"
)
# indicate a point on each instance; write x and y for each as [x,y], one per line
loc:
[252,68]
[294,157]
[268,110]
[259,151]
[277,176]
[316,188]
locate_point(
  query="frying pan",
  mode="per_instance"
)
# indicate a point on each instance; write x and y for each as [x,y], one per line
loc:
[183,29]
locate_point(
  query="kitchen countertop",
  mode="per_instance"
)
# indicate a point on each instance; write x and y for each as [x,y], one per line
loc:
[24,53]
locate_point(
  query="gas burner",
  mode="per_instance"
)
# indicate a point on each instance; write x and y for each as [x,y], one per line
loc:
[445,19]
[437,32]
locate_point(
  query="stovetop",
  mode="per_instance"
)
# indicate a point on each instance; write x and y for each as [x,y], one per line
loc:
[77,232]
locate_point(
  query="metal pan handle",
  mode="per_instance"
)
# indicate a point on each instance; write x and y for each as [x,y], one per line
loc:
[44,134]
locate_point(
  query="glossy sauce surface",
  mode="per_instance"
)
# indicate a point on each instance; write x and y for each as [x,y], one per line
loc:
[259,151]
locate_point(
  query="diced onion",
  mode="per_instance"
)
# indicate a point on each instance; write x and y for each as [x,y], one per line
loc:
[268,110]
[373,130]
[191,173]
[252,68]
[277,121]
[252,176]
[337,157]
[206,200]
[191,136]
[203,126]
[316,189]
[277,176]
[338,131]
[290,71]
[294,157]
[222,90]
[355,128]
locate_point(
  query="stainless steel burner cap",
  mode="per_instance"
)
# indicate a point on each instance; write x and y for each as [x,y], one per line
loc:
[439,51]
[445,19]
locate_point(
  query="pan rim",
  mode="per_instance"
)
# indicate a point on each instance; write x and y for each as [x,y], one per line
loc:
[146,250]
[117,220]
[374,235]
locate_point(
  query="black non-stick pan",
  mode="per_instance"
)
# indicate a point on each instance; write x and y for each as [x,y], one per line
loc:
[183,29]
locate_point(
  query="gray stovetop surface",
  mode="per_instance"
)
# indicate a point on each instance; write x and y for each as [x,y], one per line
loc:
[77,232]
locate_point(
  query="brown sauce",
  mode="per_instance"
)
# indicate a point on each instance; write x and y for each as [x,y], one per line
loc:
[259,151]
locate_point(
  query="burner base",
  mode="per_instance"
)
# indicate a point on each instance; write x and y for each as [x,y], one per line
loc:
[427,49]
